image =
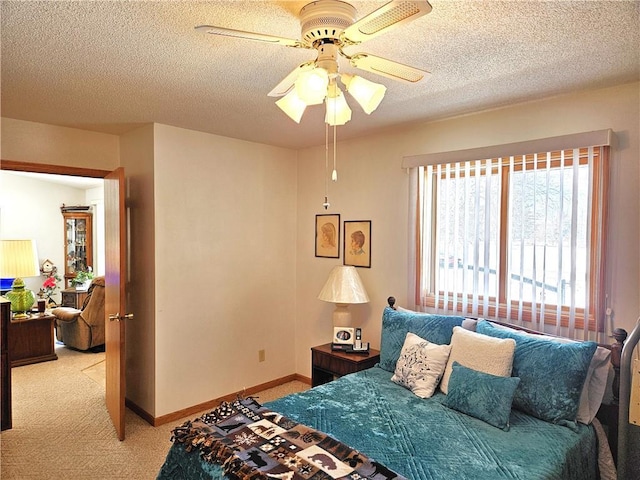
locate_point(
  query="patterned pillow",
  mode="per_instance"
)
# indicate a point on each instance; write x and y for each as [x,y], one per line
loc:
[486,354]
[552,374]
[481,395]
[396,324]
[420,365]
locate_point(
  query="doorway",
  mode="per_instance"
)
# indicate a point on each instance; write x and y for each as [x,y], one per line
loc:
[38,198]
[115,239]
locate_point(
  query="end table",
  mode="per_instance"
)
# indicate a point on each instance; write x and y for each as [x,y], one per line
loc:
[327,364]
[31,340]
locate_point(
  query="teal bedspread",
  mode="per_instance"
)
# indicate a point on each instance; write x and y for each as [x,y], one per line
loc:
[421,438]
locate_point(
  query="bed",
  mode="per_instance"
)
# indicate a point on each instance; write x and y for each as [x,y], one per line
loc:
[487,426]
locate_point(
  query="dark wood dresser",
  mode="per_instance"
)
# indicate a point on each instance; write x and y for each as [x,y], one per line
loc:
[5,385]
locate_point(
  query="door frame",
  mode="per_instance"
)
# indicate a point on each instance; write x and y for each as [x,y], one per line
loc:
[17,166]
[12,165]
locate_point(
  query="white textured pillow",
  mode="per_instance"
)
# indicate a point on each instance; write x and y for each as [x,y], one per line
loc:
[420,365]
[479,352]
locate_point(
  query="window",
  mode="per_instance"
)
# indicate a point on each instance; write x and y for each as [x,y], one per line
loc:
[518,238]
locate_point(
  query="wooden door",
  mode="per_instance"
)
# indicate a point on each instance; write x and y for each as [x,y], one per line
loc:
[115,298]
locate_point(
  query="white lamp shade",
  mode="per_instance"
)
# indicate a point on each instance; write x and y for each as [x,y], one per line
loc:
[292,105]
[311,86]
[18,259]
[338,111]
[368,94]
[344,286]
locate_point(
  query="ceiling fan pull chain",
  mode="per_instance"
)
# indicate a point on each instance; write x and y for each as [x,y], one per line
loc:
[334,174]
[326,167]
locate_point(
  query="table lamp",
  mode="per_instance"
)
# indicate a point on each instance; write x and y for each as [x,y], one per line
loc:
[19,258]
[342,288]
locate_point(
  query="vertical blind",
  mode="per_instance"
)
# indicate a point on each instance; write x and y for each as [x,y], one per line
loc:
[518,238]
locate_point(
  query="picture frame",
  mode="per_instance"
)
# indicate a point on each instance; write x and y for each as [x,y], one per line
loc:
[343,335]
[357,243]
[328,235]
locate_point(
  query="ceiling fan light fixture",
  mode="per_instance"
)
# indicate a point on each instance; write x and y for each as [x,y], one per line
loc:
[292,105]
[311,86]
[368,94]
[338,111]
[329,26]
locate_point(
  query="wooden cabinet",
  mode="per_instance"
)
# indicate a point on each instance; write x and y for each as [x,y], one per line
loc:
[31,340]
[78,249]
[5,366]
[327,364]
[73,298]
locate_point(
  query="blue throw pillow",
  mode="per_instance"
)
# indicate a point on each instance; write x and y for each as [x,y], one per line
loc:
[481,395]
[552,374]
[396,324]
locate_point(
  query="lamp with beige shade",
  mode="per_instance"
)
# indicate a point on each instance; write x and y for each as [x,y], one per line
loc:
[18,259]
[343,287]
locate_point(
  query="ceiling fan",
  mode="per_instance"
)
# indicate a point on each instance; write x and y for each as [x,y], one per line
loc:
[328,26]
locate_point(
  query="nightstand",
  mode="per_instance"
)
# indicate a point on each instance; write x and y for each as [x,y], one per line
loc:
[327,364]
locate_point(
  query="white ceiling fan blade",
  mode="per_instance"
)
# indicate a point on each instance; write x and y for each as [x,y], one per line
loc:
[385,18]
[387,68]
[285,85]
[260,37]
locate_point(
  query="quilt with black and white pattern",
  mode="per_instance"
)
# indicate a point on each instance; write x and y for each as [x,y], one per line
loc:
[253,442]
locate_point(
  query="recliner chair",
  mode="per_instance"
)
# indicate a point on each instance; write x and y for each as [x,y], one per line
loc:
[83,329]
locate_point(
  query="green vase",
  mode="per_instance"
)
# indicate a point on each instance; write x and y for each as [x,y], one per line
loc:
[22,299]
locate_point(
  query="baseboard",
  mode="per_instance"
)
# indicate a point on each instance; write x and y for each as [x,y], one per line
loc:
[211,404]
[141,412]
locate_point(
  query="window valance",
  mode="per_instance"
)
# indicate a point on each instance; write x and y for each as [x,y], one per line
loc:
[595,138]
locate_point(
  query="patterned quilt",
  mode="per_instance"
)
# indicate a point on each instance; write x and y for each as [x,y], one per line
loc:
[253,442]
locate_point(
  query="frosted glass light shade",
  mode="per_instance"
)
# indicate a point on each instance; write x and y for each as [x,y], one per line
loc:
[338,111]
[292,105]
[311,86]
[368,94]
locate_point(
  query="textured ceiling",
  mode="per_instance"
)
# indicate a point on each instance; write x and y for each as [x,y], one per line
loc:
[113,65]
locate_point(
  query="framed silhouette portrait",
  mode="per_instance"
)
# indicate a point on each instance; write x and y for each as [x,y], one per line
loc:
[328,236]
[357,243]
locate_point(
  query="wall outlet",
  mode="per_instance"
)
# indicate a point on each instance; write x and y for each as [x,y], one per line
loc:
[261,355]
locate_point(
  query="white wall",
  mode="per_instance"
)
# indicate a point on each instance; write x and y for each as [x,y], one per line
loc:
[225,222]
[373,186]
[236,220]
[211,251]
[41,143]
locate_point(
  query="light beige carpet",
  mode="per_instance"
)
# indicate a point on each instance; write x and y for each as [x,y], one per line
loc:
[61,428]
[97,372]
